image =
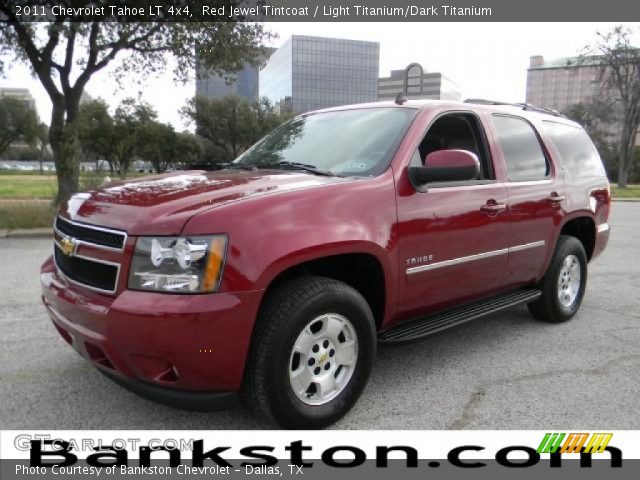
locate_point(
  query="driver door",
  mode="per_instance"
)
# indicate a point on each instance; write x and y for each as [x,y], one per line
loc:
[453,238]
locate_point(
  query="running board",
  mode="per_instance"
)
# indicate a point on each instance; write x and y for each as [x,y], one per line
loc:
[422,327]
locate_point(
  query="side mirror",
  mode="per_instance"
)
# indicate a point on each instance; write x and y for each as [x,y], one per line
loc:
[446,166]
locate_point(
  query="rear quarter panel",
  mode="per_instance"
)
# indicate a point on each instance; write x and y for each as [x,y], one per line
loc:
[585,196]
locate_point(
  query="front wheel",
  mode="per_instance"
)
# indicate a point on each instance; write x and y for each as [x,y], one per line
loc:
[564,283]
[312,353]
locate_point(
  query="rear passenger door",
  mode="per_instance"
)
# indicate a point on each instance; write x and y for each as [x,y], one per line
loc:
[535,191]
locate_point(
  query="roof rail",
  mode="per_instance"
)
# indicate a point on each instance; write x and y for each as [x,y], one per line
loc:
[523,106]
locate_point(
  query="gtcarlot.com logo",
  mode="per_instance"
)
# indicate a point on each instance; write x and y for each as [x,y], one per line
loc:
[575,442]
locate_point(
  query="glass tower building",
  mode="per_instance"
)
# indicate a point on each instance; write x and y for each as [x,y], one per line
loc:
[308,73]
[243,83]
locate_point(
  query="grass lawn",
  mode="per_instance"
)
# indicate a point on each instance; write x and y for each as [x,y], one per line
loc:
[16,214]
[28,186]
[632,191]
[25,198]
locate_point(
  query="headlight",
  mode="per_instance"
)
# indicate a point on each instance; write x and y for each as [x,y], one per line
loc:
[178,264]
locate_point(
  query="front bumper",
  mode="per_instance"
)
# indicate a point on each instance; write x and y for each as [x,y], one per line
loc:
[183,399]
[192,344]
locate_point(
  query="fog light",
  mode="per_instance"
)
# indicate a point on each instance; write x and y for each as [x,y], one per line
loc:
[158,281]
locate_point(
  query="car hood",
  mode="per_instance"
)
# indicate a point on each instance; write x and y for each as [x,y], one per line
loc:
[162,204]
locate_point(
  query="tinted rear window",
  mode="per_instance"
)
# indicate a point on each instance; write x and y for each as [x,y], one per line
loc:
[577,152]
[521,149]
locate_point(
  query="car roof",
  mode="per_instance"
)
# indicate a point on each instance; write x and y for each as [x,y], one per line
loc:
[527,111]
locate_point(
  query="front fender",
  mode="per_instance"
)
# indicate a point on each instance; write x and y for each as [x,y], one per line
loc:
[318,252]
[272,233]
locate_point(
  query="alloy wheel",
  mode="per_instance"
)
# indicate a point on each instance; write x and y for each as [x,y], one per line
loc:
[569,281]
[323,359]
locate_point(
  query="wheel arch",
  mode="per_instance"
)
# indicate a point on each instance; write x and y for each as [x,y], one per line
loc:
[583,227]
[363,268]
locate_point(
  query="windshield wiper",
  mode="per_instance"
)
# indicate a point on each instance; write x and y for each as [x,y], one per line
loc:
[285,165]
[239,166]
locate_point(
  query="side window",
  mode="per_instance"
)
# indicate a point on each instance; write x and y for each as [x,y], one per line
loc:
[577,152]
[521,148]
[457,131]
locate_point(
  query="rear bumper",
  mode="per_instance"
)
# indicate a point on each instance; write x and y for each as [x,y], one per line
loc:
[602,238]
[193,346]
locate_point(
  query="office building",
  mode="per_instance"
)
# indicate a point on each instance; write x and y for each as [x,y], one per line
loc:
[416,83]
[243,83]
[86,98]
[20,93]
[24,95]
[561,83]
[308,73]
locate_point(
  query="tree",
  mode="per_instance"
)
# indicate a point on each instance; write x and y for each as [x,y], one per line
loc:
[95,132]
[120,138]
[157,145]
[189,149]
[163,147]
[43,142]
[619,63]
[130,120]
[634,174]
[19,123]
[212,155]
[594,116]
[231,123]
[264,119]
[66,53]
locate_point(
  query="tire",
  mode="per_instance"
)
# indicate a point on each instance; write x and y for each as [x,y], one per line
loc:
[561,297]
[332,325]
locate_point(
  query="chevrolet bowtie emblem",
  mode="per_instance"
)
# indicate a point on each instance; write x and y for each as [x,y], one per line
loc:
[68,246]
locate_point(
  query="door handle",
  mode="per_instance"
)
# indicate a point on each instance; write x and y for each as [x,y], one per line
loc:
[493,208]
[555,198]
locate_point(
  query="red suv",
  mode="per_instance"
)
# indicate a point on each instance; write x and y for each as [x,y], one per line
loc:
[276,277]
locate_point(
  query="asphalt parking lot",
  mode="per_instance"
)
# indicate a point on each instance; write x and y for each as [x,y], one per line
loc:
[502,372]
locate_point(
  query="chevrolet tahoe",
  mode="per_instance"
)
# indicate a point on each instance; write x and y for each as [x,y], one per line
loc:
[274,279]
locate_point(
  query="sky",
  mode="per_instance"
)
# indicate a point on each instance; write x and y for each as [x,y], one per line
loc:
[487,60]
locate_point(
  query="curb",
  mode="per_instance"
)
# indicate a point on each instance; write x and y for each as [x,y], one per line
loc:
[27,233]
[624,199]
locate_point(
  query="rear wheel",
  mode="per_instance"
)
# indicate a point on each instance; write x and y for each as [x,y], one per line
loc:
[564,283]
[312,353]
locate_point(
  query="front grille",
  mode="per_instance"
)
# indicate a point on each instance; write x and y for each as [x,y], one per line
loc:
[90,234]
[91,273]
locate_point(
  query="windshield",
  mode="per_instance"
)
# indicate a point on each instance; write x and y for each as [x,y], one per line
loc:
[346,143]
